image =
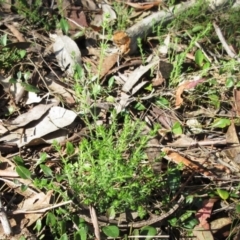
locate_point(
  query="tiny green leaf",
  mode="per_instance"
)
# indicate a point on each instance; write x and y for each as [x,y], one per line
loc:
[24,187]
[148,231]
[22,53]
[111,231]
[3,40]
[177,128]
[149,87]
[38,225]
[111,82]
[18,160]
[23,172]
[223,194]
[111,213]
[198,28]
[161,101]
[139,106]
[221,123]
[229,82]
[51,219]
[238,208]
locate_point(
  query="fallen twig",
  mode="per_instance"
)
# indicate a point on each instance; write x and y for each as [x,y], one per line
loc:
[128,42]
[4,220]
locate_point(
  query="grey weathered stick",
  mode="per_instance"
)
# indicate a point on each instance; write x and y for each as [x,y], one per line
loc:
[4,220]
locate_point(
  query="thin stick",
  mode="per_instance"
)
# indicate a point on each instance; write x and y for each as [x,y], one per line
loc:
[4,220]
[223,41]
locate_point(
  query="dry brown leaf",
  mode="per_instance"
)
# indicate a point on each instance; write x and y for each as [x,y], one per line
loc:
[205,212]
[220,223]
[35,202]
[56,119]
[183,141]
[15,32]
[144,6]
[122,41]
[135,76]
[108,63]
[76,18]
[184,86]
[233,152]
[202,234]
[178,159]
[67,53]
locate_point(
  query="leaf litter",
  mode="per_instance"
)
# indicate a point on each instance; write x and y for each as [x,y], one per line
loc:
[167,85]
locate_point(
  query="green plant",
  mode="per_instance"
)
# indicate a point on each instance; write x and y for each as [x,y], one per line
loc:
[35,14]
[123,18]
[10,53]
[111,170]
[140,46]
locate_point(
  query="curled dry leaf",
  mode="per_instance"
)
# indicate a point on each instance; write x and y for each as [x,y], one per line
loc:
[31,115]
[135,76]
[178,159]
[56,119]
[232,138]
[67,53]
[184,86]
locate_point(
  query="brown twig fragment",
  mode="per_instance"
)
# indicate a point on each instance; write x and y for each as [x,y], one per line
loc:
[15,32]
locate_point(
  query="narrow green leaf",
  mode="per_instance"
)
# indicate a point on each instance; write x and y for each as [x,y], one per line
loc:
[23,172]
[198,28]
[111,231]
[199,57]
[46,170]
[30,88]
[43,157]
[70,148]
[64,25]
[111,82]
[38,225]
[51,219]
